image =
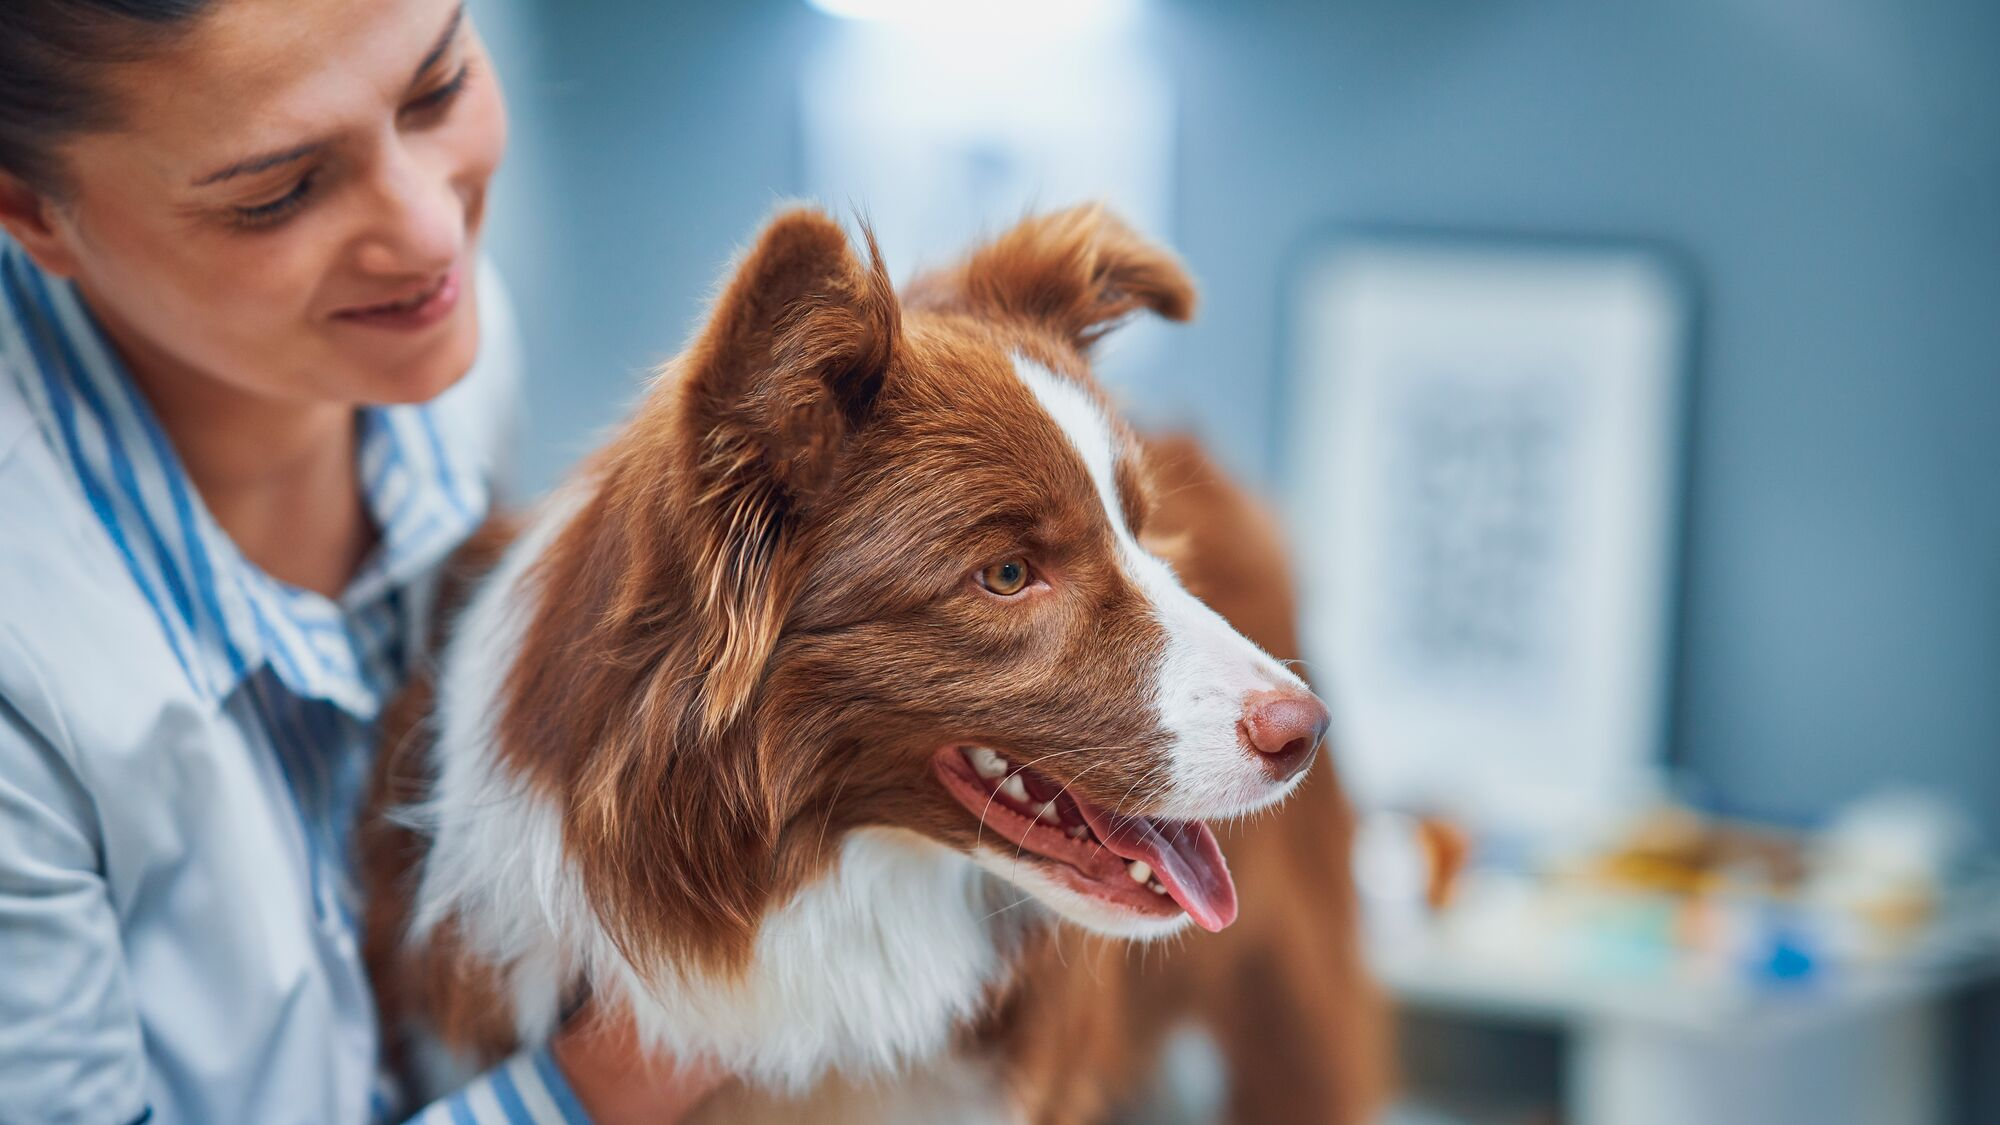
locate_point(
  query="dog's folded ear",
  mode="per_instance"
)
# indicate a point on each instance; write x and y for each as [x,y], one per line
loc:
[1078,272]
[787,366]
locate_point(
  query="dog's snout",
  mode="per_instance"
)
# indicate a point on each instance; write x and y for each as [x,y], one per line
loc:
[1284,727]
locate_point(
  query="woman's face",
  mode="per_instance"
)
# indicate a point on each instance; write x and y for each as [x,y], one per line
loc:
[292,199]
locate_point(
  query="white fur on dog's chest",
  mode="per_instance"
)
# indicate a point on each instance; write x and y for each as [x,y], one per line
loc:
[868,970]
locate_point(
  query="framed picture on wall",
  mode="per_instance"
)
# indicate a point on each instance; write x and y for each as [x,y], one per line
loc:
[1483,447]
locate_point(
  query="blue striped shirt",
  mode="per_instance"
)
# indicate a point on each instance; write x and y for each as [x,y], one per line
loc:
[184,741]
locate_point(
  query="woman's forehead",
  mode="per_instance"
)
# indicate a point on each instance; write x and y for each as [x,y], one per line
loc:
[257,77]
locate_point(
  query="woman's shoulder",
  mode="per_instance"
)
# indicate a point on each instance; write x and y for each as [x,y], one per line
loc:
[16,423]
[39,505]
[79,651]
[17,418]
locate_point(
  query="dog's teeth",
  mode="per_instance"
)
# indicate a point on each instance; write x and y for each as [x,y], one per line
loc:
[1078,831]
[1048,812]
[1014,789]
[1139,871]
[1156,888]
[986,763]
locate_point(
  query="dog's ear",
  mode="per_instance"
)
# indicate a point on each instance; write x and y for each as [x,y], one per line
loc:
[1078,272]
[787,366]
[792,356]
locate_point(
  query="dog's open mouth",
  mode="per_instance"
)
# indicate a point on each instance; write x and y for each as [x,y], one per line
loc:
[1150,865]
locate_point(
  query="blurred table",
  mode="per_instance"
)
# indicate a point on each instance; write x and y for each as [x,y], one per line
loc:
[1861,1044]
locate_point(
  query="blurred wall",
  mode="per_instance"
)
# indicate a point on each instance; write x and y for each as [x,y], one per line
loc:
[1831,169]
[649,140]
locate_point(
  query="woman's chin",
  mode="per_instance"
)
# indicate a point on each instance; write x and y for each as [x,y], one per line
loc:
[422,374]
[423,386]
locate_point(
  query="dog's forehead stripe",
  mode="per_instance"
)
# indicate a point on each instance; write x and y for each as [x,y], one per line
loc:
[1083,423]
[1091,436]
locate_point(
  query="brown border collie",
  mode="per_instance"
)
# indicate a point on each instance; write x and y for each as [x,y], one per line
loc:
[846,720]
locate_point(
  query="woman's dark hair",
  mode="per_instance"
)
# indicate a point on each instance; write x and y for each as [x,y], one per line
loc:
[50,54]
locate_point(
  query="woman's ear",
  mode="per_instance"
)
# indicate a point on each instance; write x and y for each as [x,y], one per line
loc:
[786,369]
[1078,272]
[31,219]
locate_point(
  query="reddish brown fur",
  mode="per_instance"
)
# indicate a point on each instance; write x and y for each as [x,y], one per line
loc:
[437,982]
[673,595]
[758,630]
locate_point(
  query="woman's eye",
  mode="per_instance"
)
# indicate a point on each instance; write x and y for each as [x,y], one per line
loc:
[1005,578]
[268,214]
[439,99]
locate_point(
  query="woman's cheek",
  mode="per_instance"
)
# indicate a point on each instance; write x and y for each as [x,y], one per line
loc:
[280,284]
[480,133]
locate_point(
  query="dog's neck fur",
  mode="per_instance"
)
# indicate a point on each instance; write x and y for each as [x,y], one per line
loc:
[894,906]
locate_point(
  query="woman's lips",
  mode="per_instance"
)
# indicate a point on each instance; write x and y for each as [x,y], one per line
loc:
[415,311]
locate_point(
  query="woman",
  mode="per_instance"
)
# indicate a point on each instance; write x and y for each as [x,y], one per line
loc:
[239,302]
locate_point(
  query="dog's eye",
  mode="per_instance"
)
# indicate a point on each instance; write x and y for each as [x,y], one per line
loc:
[1005,578]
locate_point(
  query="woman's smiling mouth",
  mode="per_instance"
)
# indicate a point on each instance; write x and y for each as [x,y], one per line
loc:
[417,310]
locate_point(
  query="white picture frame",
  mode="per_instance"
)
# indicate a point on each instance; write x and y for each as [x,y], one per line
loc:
[1483,445]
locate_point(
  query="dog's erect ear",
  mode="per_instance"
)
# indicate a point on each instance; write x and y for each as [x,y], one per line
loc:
[792,355]
[788,365]
[1078,272]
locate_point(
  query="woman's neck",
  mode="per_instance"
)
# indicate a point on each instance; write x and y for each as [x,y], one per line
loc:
[278,475]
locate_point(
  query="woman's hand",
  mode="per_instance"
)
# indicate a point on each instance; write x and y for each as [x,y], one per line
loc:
[617,1082]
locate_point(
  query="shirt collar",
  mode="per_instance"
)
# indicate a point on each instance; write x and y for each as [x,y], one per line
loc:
[223,616]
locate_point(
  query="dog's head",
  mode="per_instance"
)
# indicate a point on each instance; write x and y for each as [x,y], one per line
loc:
[864,560]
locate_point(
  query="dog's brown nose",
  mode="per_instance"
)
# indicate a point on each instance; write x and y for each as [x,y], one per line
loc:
[1284,727]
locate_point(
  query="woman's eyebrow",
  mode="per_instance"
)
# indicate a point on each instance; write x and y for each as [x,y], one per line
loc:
[261,162]
[267,160]
[442,45]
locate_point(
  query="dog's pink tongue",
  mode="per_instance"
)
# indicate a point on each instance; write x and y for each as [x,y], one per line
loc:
[1183,855]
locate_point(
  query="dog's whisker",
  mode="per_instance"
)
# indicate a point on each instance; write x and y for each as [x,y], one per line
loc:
[1060,792]
[1022,901]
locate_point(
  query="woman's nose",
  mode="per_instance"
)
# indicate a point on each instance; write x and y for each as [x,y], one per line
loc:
[419,225]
